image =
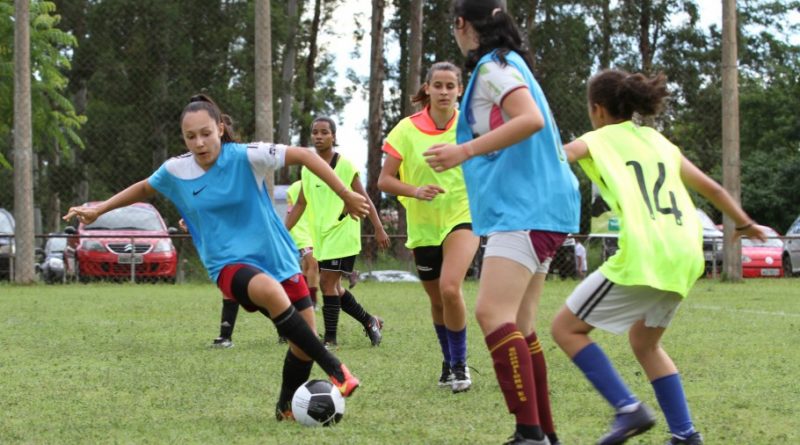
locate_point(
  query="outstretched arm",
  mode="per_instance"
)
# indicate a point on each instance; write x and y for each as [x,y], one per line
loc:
[380,234]
[695,179]
[354,204]
[140,191]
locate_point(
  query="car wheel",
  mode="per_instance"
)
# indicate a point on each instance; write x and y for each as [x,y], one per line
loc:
[787,267]
[78,277]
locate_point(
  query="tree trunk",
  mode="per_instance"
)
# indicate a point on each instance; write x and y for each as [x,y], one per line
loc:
[23,147]
[308,92]
[732,257]
[287,93]
[375,133]
[605,45]
[263,77]
[645,48]
[414,55]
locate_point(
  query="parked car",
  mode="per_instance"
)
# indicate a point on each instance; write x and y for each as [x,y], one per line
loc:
[762,258]
[133,236]
[712,243]
[791,250]
[51,269]
[7,251]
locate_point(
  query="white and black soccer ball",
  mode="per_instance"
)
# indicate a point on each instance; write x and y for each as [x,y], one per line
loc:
[317,403]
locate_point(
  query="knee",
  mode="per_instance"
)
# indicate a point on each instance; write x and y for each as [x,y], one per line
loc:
[450,291]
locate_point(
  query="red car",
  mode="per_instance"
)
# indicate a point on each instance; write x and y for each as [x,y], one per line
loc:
[762,259]
[133,237]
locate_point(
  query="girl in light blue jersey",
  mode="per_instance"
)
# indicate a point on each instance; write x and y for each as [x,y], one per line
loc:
[219,188]
[522,195]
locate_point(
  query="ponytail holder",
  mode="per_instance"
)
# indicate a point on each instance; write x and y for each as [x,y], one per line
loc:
[496,11]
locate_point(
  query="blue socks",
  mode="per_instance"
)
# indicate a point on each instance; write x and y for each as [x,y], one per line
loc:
[441,333]
[457,340]
[598,369]
[671,398]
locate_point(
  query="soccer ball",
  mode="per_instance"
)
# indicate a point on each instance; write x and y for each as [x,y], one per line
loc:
[317,403]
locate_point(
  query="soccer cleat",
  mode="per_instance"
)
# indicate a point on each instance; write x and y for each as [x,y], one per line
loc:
[282,340]
[222,343]
[330,345]
[694,439]
[349,384]
[461,380]
[627,425]
[373,330]
[446,379]
[517,439]
[284,412]
[352,278]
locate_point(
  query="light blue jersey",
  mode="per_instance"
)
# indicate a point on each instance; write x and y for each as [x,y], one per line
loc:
[228,211]
[526,186]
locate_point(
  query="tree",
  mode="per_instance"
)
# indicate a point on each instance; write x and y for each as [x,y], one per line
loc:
[286,85]
[375,129]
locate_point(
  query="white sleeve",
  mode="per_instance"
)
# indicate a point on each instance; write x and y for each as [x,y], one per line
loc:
[496,81]
[266,157]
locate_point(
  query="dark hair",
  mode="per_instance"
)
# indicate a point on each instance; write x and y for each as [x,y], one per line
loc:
[496,30]
[330,122]
[623,93]
[422,97]
[203,102]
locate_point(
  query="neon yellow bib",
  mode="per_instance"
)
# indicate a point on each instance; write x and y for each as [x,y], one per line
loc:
[429,222]
[332,237]
[661,239]
[301,234]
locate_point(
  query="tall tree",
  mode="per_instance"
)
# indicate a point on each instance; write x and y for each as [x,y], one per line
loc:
[732,257]
[375,129]
[263,77]
[414,54]
[286,85]
[23,145]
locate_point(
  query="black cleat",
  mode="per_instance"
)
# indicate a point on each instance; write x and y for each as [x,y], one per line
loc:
[373,330]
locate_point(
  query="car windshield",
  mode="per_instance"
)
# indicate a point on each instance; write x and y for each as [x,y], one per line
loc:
[127,218]
[56,244]
[5,224]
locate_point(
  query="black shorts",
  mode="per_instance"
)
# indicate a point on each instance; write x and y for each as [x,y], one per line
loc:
[429,259]
[345,264]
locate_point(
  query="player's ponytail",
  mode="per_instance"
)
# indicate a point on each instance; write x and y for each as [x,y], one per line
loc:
[623,93]
[422,96]
[204,102]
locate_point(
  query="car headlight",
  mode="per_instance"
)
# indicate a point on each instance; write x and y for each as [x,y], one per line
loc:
[163,245]
[746,259]
[92,245]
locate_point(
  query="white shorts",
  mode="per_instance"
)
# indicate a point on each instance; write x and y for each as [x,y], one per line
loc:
[516,246]
[615,308]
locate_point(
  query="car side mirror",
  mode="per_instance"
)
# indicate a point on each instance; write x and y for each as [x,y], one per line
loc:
[69,230]
[172,230]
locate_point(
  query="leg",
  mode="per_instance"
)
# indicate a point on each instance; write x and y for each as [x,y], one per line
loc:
[437,315]
[372,325]
[310,268]
[257,290]
[457,252]
[230,309]
[664,377]
[526,321]
[331,303]
[503,283]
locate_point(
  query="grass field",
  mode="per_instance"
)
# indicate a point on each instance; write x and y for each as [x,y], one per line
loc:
[131,364]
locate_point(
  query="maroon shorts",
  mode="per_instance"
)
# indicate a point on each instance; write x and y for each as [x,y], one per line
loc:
[234,278]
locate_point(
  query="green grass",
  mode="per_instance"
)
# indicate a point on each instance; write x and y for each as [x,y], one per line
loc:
[131,364]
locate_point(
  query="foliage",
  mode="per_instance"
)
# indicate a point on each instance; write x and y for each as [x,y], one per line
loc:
[55,122]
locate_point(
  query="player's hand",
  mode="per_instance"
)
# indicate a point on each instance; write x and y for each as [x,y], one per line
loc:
[755,231]
[85,214]
[442,157]
[354,204]
[382,238]
[428,192]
